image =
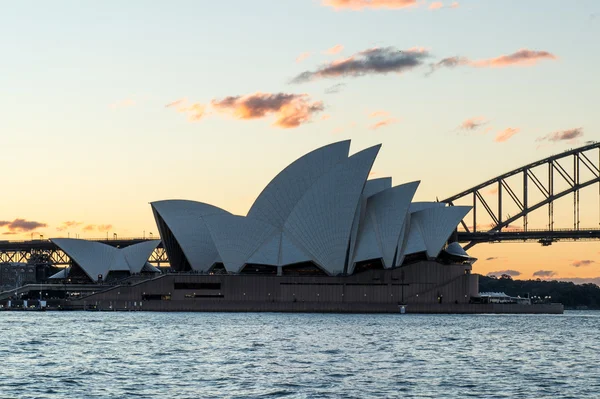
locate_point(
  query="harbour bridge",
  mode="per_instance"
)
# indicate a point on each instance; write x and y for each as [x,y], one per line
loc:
[540,184]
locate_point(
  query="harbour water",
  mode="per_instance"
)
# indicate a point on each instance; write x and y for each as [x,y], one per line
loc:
[268,355]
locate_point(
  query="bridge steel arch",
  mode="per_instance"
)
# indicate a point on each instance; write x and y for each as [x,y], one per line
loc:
[584,157]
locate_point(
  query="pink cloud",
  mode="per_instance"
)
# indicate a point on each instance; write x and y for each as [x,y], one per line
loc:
[334,50]
[290,110]
[436,5]
[303,56]
[473,123]
[373,4]
[523,57]
[376,114]
[506,134]
[194,111]
[383,123]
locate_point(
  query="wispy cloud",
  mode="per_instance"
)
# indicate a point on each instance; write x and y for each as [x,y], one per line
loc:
[325,117]
[21,225]
[522,57]
[98,227]
[383,123]
[303,56]
[563,135]
[334,50]
[69,224]
[290,110]
[583,262]
[544,273]
[377,114]
[373,4]
[506,134]
[194,111]
[375,61]
[436,5]
[510,272]
[474,123]
[336,88]
[492,258]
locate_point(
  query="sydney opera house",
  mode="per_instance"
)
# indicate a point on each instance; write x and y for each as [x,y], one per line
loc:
[321,236]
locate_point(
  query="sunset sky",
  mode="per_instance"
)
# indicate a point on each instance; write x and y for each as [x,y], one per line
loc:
[109,105]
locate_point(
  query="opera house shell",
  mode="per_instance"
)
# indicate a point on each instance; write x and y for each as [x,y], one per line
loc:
[320,215]
[95,262]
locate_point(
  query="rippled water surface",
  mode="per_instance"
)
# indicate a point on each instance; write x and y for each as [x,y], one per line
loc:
[246,355]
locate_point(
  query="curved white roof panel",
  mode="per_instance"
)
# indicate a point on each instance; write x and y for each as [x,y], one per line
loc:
[437,224]
[374,186]
[185,221]
[237,238]
[276,201]
[137,255]
[388,210]
[322,219]
[96,258]
[93,257]
[367,246]
[413,241]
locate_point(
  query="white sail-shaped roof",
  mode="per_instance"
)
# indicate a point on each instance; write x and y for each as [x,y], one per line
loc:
[268,252]
[367,246]
[279,197]
[437,224]
[372,187]
[322,219]
[185,221]
[388,210]
[96,258]
[137,255]
[291,252]
[237,238]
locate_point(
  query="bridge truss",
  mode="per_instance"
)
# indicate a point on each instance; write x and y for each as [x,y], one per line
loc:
[549,179]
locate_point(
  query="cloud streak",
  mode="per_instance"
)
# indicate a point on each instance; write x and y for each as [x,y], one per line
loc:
[544,273]
[383,123]
[375,61]
[69,224]
[290,110]
[21,225]
[510,272]
[583,262]
[563,135]
[506,134]
[473,123]
[302,57]
[356,5]
[334,50]
[336,88]
[194,111]
[522,57]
